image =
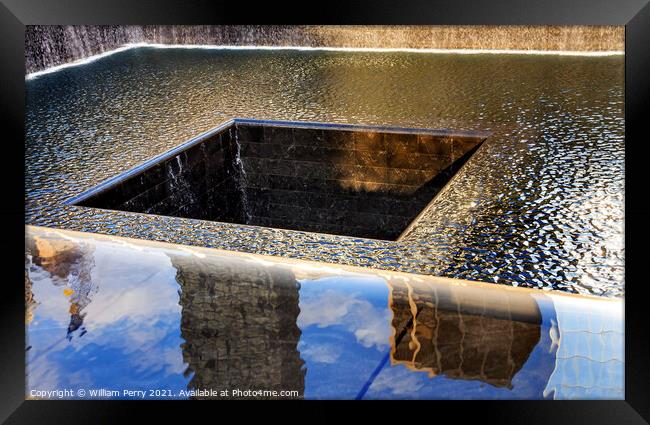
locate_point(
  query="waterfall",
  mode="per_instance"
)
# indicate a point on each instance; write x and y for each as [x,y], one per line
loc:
[181,187]
[240,179]
[50,45]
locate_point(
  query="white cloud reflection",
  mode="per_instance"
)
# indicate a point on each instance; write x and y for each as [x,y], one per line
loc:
[322,353]
[370,324]
[134,311]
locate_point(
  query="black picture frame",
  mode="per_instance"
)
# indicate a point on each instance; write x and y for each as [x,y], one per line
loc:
[634,14]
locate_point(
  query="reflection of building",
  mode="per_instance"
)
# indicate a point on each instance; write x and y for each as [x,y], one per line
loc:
[436,332]
[239,324]
[69,264]
[30,303]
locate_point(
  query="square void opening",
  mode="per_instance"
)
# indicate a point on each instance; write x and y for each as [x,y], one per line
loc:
[337,179]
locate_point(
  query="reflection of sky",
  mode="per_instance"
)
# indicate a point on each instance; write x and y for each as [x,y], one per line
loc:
[133,334]
[590,354]
[345,323]
[336,314]
[133,338]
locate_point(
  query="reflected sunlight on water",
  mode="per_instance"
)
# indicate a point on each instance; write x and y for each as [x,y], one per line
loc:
[541,204]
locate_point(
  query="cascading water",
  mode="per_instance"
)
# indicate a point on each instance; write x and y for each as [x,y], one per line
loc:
[48,45]
[240,180]
[179,184]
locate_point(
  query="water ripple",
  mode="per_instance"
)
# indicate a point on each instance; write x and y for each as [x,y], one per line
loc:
[539,205]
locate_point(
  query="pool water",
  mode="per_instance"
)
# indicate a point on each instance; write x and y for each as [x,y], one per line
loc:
[539,205]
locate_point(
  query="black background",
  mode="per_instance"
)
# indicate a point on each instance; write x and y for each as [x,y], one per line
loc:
[15,14]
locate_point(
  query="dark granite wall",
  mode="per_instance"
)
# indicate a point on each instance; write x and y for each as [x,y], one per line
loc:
[360,183]
[197,183]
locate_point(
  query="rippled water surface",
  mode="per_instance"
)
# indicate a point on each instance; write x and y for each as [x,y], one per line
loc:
[539,205]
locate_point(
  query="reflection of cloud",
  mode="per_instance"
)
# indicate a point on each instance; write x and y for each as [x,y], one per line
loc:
[375,334]
[398,381]
[52,304]
[327,310]
[324,353]
[43,375]
[142,301]
[150,355]
[126,291]
[369,324]
[78,378]
[145,300]
[135,313]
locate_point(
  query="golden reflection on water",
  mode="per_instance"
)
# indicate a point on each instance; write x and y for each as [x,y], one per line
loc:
[435,332]
[558,124]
